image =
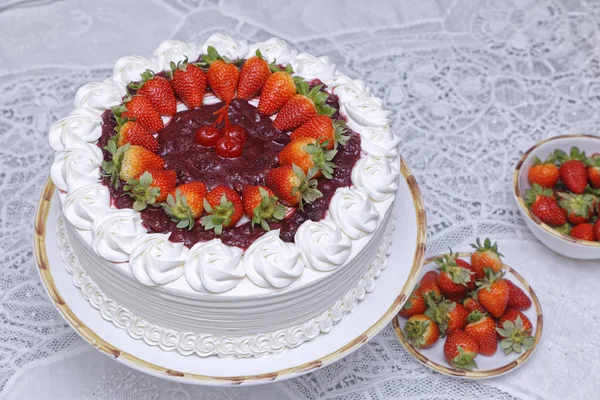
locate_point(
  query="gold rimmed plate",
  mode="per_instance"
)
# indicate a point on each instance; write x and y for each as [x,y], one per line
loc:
[371,315]
[488,367]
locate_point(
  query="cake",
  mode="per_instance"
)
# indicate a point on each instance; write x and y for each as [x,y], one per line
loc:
[225,199]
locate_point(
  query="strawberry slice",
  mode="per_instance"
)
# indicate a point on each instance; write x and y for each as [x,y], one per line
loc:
[293,186]
[277,90]
[323,129]
[261,206]
[185,204]
[307,154]
[140,108]
[129,162]
[224,208]
[150,188]
[253,75]
[189,83]
[133,132]
[223,76]
[303,106]
[160,92]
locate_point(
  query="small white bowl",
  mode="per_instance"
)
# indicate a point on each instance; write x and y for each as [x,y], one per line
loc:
[554,240]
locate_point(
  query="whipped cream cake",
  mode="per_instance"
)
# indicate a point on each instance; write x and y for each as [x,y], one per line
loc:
[226,198]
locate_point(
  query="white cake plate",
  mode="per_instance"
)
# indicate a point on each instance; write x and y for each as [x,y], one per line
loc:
[354,330]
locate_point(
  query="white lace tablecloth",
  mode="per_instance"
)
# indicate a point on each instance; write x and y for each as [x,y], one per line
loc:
[473,85]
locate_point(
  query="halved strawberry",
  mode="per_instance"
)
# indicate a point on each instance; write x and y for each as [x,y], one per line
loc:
[151,187]
[303,106]
[322,128]
[543,205]
[130,131]
[584,231]
[223,76]
[579,207]
[253,75]
[277,89]
[261,206]
[307,154]
[141,109]
[129,162]
[460,350]
[421,331]
[515,329]
[159,91]
[483,329]
[292,186]
[573,171]
[189,83]
[185,204]
[224,208]
[544,174]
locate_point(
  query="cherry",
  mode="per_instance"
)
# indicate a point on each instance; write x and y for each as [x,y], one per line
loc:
[207,136]
[236,133]
[228,148]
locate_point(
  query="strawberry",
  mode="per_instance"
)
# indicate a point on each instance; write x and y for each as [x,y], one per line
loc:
[224,208]
[429,287]
[261,205]
[414,305]
[460,350]
[594,170]
[597,230]
[579,207]
[584,231]
[276,91]
[293,186]
[323,129]
[223,76]
[129,162]
[493,293]
[159,91]
[141,109]
[464,264]
[543,205]
[483,329]
[516,297]
[189,83]
[421,332]
[449,315]
[150,187]
[485,256]
[308,103]
[129,131]
[253,76]
[307,154]
[453,280]
[544,174]
[573,171]
[185,204]
[473,305]
[515,330]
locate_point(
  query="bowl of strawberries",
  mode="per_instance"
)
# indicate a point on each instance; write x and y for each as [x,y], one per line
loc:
[470,315]
[557,188]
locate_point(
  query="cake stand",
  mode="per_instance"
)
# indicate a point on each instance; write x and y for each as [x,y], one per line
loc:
[355,329]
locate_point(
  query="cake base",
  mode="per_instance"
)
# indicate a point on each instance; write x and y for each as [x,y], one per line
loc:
[374,312]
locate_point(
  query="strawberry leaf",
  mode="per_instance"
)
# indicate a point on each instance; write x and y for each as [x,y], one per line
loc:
[178,210]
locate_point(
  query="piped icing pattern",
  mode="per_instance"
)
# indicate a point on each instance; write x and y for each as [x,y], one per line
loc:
[118,236]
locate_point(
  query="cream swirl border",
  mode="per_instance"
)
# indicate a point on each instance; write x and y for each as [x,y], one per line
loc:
[73,137]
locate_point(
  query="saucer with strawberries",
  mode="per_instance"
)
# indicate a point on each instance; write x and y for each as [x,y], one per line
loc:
[470,315]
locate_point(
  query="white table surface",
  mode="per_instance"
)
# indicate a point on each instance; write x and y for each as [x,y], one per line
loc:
[473,84]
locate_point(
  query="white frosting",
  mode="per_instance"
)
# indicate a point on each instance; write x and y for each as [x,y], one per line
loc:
[322,245]
[273,49]
[310,67]
[226,46]
[175,51]
[348,89]
[155,260]
[213,267]
[376,176]
[86,203]
[129,69]
[379,142]
[80,160]
[353,212]
[100,96]
[271,262]
[81,125]
[365,112]
[114,233]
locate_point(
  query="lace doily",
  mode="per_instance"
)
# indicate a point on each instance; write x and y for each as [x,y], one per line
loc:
[474,84]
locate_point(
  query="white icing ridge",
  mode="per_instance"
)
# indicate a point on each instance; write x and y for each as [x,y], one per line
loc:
[310,67]
[271,262]
[129,69]
[226,46]
[273,49]
[365,112]
[81,125]
[379,142]
[154,260]
[352,211]
[115,232]
[86,203]
[376,176]
[174,51]
[348,89]
[80,160]
[322,245]
[213,267]
[205,345]
[100,96]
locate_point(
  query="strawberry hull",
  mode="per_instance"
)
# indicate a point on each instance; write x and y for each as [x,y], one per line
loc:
[194,162]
